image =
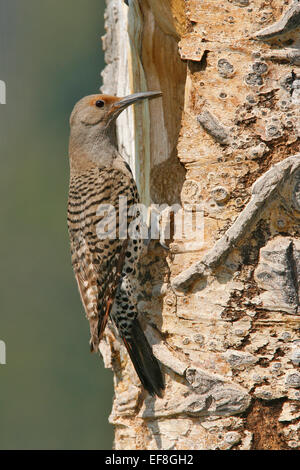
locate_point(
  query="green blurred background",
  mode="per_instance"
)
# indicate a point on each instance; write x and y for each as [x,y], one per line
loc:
[53,393]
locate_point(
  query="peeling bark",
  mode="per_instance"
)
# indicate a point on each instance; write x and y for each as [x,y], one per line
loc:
[222,313]
[287,23]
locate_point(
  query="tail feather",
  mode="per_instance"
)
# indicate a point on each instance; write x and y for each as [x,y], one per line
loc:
[146,365]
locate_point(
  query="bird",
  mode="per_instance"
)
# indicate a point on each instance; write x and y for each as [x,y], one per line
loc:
[105,266]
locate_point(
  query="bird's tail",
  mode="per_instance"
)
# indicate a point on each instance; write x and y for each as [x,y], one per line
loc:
[145,364]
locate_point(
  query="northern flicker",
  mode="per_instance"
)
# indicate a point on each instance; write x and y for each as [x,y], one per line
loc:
[105,267]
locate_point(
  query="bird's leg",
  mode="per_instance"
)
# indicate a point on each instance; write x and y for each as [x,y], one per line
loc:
[155,231]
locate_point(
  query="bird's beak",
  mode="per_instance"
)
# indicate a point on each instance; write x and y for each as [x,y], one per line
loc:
[123,103]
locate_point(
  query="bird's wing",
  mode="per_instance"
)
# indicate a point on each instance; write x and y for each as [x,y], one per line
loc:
[97,291]
[97,261]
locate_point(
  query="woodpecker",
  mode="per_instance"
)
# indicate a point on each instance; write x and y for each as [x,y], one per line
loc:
[105,266]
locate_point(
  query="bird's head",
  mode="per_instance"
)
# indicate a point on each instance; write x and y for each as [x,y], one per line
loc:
[103,110]
[93,119]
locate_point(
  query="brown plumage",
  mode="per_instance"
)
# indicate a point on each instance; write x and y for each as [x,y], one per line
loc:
[105,267]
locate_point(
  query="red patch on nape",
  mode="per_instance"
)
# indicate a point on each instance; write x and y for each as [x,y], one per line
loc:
[108,99]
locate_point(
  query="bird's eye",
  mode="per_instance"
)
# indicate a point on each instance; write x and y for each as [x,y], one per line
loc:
[100,103]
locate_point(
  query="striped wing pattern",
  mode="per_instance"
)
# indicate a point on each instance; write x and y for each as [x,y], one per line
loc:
[97,262]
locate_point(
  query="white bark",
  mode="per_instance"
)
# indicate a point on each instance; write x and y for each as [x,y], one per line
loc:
[226,311]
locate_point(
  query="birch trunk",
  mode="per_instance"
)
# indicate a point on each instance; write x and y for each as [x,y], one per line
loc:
[222,309]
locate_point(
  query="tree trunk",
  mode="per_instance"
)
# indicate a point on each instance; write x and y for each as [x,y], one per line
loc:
[221,310]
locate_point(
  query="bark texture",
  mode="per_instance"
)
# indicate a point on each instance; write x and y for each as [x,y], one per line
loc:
[222,313]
